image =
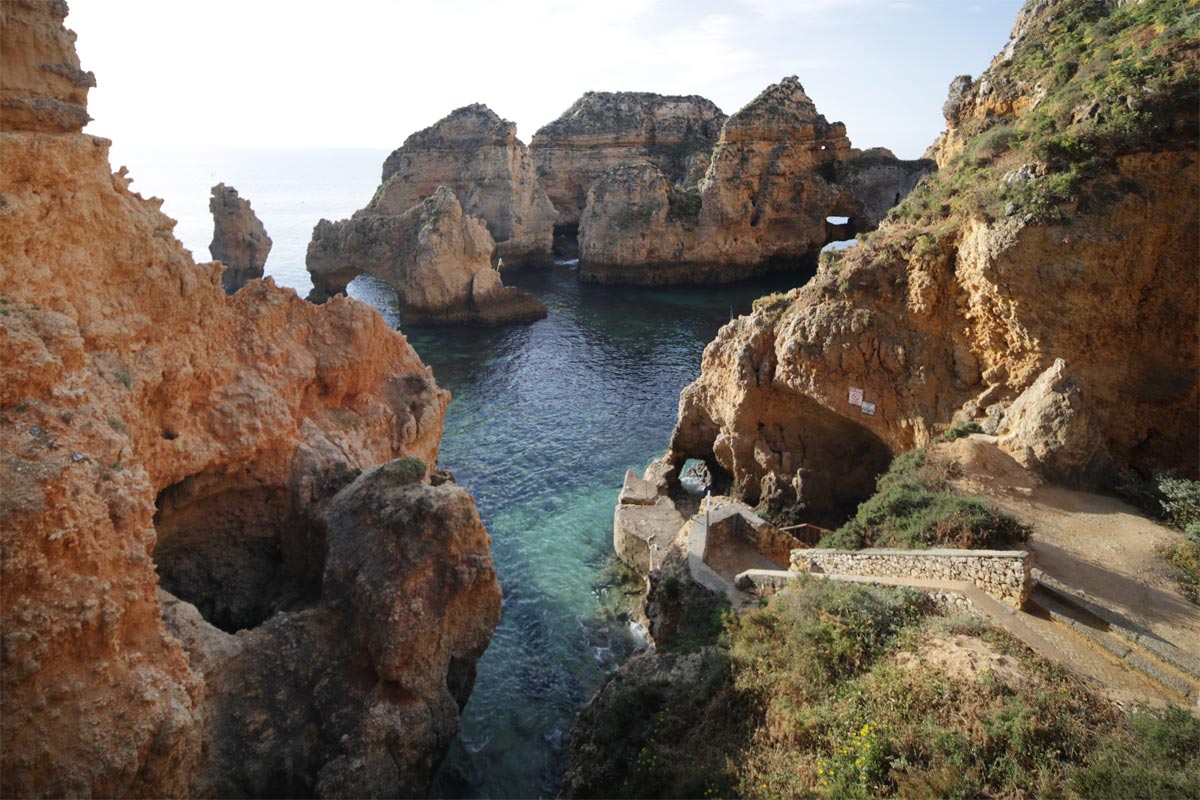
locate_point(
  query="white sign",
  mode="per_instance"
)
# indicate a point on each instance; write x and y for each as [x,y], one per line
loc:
[868,409]
[856,396]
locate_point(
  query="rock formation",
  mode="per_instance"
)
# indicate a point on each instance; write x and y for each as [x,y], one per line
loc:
[240,241]
[478,156]
[771,185]
[148,422]
[603,130]
[1051,429]
[438,259]
[1079,244]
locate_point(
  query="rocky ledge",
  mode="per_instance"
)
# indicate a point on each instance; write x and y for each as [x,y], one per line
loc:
[202,595]
[438,259]
[240,241]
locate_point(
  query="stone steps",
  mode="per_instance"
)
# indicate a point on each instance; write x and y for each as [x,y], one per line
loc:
[1150,655]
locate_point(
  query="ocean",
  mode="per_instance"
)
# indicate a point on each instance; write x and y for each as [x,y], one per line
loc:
[544,422]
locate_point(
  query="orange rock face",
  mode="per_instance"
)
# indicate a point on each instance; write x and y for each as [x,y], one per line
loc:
[778,171]
[959,311]
[477,155]
[137,397]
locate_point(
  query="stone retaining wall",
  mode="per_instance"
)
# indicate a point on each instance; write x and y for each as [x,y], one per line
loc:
[1003,574]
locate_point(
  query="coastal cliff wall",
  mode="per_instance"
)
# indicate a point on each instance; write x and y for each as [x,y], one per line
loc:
[777,172]
[603,130]
[1060,225]
[476,154]
[158,433]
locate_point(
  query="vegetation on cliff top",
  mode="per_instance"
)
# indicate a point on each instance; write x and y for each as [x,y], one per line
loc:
[818,695]
[1086,84]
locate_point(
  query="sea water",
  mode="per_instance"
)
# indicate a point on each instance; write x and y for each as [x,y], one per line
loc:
[546,418]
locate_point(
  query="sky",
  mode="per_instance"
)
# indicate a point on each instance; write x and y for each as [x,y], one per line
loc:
[367,73]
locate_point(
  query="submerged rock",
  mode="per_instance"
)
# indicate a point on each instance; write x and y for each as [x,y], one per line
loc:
[438,259]
[240,241]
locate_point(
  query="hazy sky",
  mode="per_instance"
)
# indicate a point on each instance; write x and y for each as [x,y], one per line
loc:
[367,73]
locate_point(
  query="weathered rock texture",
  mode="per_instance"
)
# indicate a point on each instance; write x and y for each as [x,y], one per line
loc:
[602,130]
[478,155]
[1052,429]
[980,282]
[763,203]
[240,241]
[147,420]
[436,258]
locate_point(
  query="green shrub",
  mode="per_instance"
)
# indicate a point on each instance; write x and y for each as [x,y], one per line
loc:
[914,507]
[404,470]
[960,429]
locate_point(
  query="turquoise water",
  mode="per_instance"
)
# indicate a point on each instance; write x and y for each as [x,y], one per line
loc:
[544,422]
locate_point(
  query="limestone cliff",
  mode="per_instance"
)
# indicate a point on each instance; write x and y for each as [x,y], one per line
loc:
[438,259]
[1061,225]
[477,155]
[153,428]
[240,241]
[603,130]
[778,171]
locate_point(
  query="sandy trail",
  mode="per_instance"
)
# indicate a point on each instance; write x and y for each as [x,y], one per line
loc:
[1101,547]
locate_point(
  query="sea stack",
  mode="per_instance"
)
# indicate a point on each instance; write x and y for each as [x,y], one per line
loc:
[230,568]
[778,172]
[438,259]
[240,241]
[476,154]
[603,130]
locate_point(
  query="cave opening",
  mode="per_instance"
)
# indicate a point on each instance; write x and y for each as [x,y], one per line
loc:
[239,553]
[566,242]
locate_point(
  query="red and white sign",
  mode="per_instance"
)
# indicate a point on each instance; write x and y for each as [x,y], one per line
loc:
[856,396]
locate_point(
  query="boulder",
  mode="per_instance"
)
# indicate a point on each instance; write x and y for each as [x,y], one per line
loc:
[1052,429]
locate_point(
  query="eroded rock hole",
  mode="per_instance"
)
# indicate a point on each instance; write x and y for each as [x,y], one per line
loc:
[566,242]
[239,553]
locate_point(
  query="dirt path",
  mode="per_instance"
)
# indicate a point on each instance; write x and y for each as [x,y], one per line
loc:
[1100,546]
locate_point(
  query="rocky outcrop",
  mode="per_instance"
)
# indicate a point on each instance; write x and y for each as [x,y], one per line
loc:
[357,694]
[968,294]
[478,156]
[1052,429]
[764,202]
[240,241]
[149,422]
[438,259]
[604,130]
[44,88]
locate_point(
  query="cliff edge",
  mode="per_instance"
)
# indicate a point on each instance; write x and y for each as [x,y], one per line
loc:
[1061,225]
[193,602]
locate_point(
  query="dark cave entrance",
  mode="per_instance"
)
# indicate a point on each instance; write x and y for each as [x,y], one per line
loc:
[566,242]
[240,554]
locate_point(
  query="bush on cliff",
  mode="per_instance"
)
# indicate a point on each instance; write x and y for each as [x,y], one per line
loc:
[914,507]
[824,693]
